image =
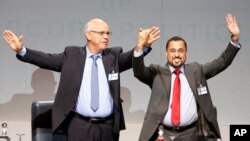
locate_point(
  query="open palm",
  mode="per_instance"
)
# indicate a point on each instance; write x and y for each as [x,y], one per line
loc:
[15,43]
[233,27]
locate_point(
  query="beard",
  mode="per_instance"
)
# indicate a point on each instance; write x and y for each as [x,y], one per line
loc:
[176,63]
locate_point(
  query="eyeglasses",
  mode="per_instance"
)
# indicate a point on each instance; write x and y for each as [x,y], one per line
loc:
[102,33]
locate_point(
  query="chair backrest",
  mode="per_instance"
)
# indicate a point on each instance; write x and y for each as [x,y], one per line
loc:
[41,124]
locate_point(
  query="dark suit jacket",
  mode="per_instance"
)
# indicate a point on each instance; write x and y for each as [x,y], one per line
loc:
[71,65]
[158,78]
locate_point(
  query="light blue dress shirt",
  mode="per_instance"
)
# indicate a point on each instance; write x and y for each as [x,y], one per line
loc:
[83,106]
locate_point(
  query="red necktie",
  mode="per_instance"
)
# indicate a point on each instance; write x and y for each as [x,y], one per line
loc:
[175,116]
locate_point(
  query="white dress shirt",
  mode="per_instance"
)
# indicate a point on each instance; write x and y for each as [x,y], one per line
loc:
[188,106]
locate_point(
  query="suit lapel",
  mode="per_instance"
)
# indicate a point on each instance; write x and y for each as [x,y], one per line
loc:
[190,75]
[107,59]
[80,60]
[166,80]
[82,57]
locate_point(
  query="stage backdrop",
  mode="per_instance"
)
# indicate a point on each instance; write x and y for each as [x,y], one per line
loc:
[50,26]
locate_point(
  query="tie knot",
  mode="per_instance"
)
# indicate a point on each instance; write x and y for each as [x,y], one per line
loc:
[94,57]
[177,72]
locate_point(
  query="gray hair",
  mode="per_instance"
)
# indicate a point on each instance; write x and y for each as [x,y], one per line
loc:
[87,27]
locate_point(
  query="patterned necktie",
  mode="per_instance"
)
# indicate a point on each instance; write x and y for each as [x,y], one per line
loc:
[175,116]
[94,84]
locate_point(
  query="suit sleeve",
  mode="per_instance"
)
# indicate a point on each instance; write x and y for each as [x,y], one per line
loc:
[143,73]
[43,60]
[218,65]
[125,59]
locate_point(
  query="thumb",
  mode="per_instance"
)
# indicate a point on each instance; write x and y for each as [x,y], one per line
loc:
[21,38]
[140,29]
[20,43]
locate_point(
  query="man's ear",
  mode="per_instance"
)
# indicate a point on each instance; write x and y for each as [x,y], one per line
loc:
[88,36]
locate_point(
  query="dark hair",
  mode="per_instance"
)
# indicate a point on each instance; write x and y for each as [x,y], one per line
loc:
[176,38]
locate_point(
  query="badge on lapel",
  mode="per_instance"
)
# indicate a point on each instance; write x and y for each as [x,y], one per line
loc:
[113,76]
[201,89]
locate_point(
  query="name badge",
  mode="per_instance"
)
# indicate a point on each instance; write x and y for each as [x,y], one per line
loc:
[202,90]
[113,76]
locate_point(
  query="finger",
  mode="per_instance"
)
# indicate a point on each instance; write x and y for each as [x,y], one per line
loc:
[6,39]
[155,31]
[234,19]
[12,35]
[6,36]
[156,35]
[152,29]
[7,33]
[229,20]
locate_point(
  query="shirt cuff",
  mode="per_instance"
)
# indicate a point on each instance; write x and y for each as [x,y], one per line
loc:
[22,52]
[138,54]
[235,44]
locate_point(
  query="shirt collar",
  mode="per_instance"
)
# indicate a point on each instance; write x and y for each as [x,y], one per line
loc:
[172,69]
[89,54]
